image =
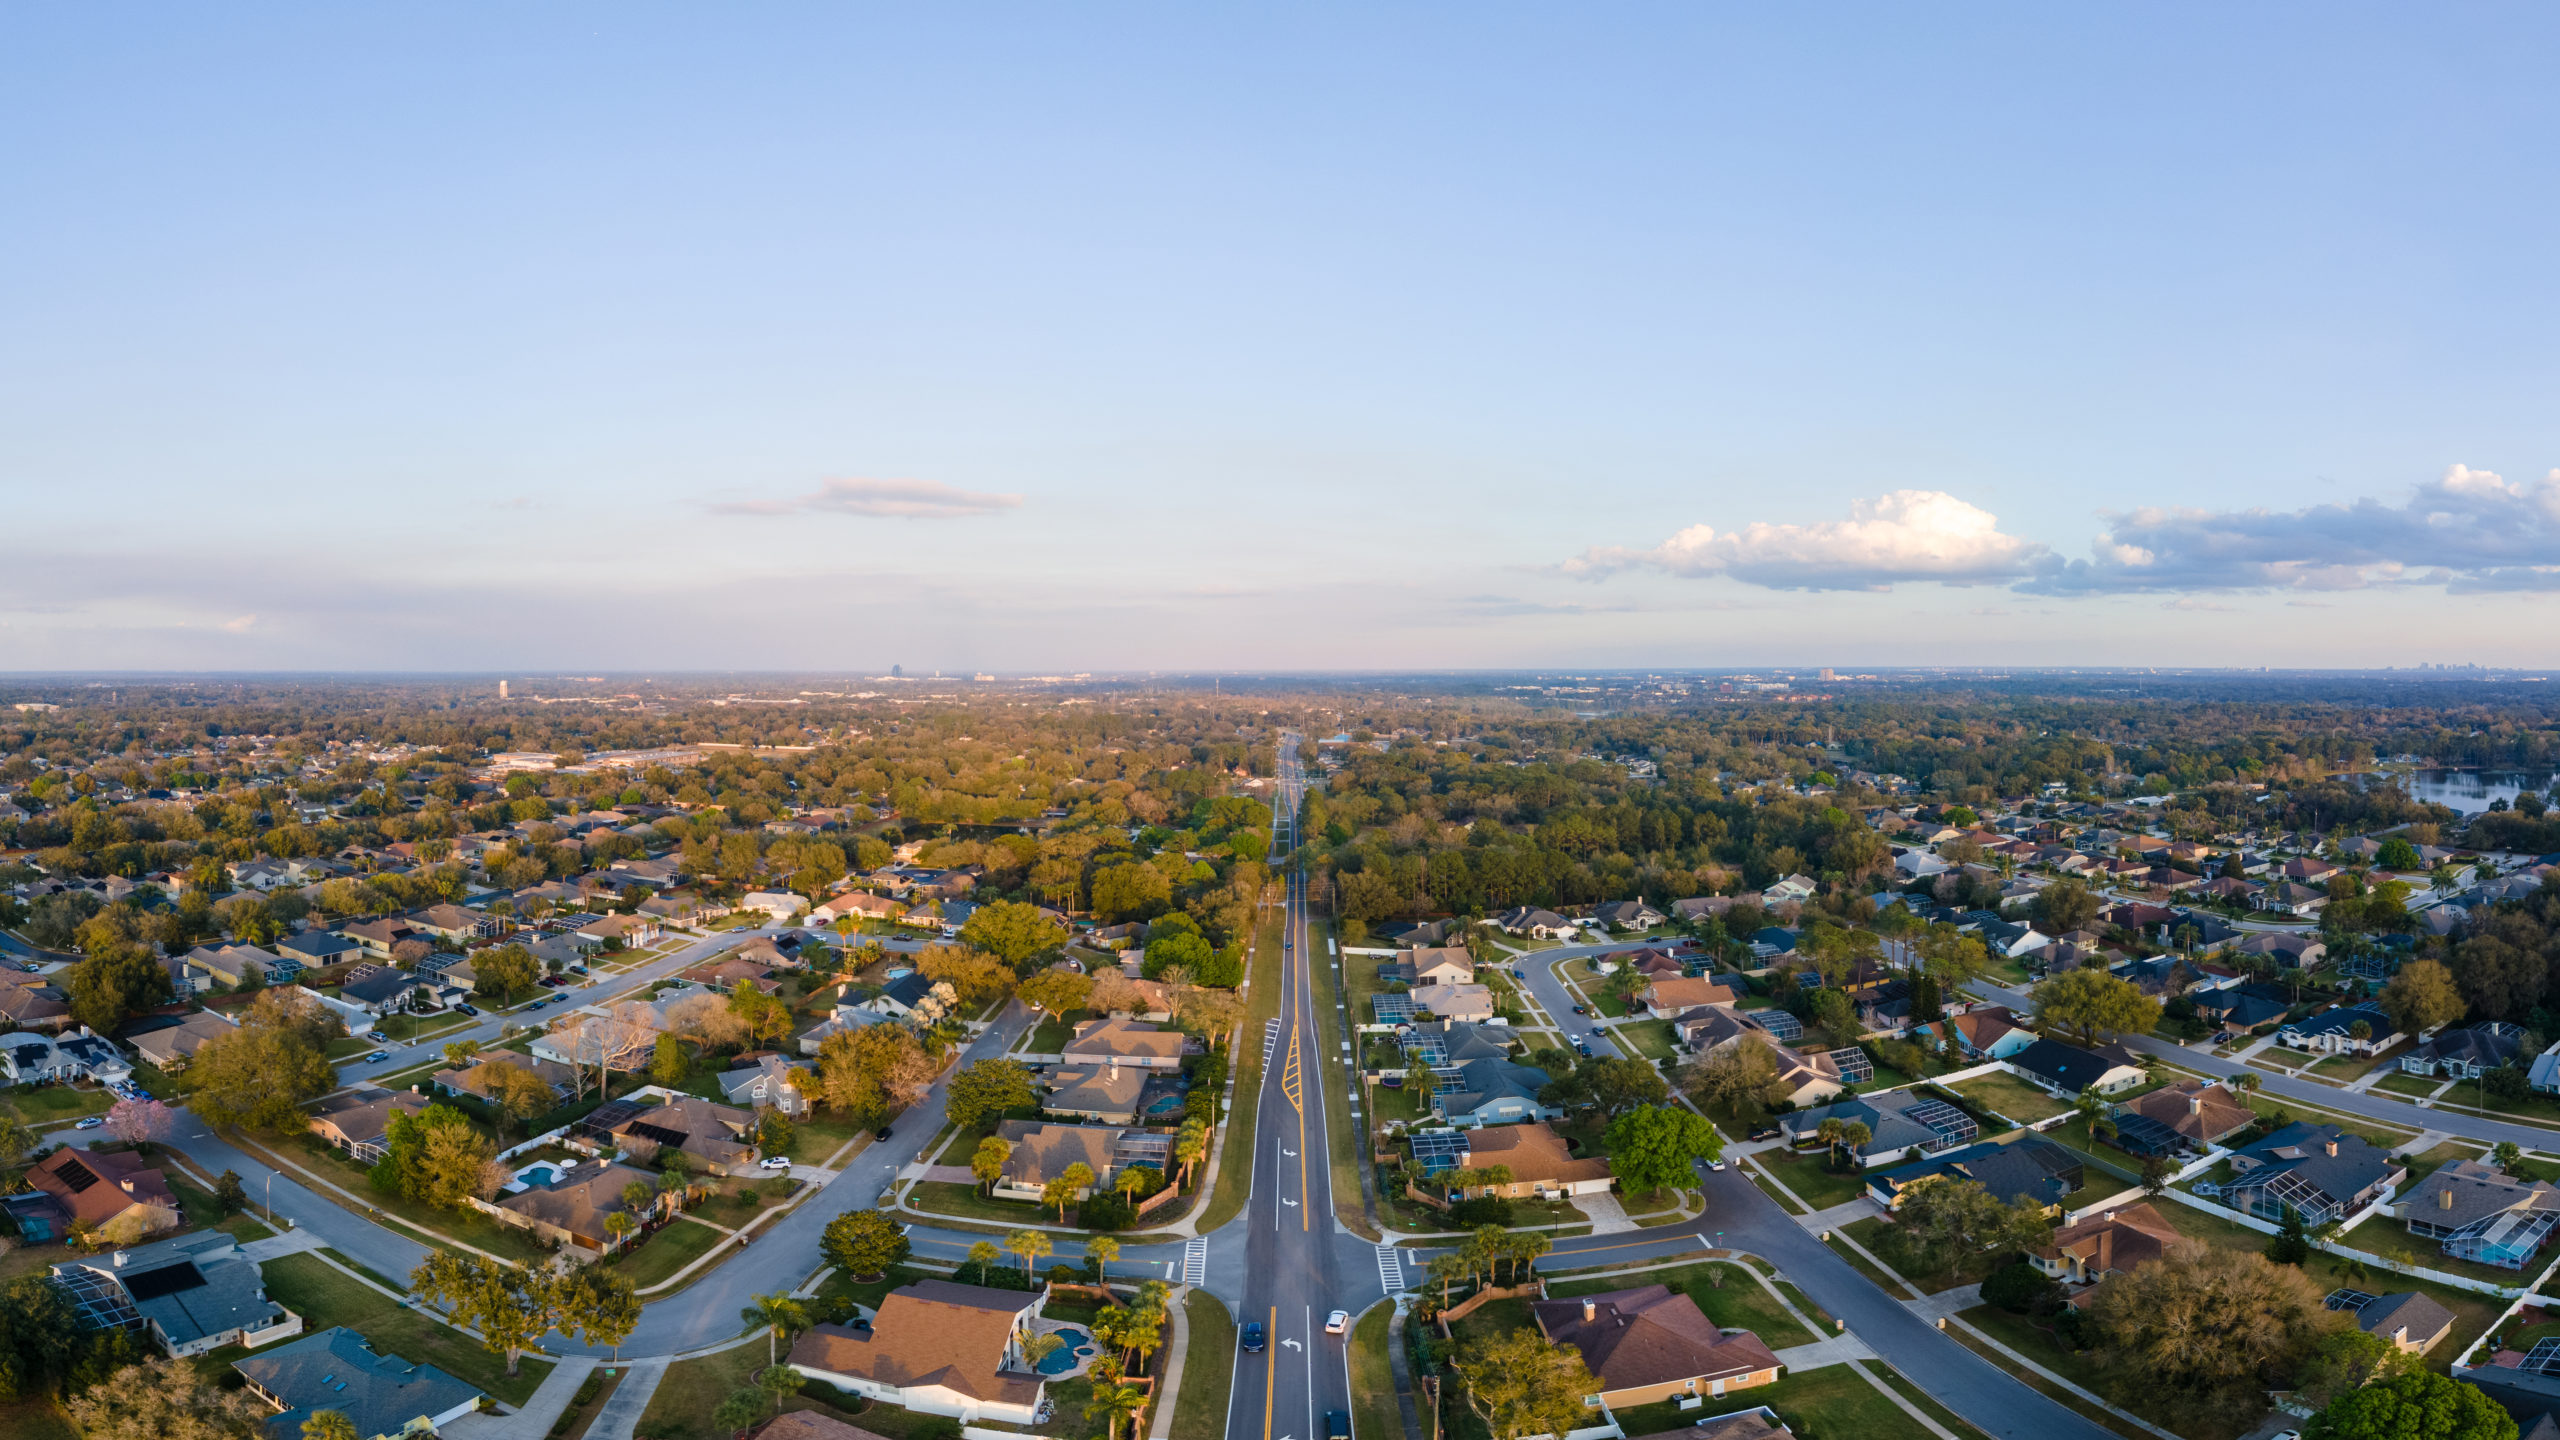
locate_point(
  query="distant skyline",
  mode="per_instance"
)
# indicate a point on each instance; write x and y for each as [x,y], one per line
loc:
[632,338]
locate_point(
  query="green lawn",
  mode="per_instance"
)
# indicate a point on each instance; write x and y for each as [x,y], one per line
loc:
[2391,1240]
[468,1226]
[1880,1238]
[44,1105]
[1739,1303]
[2422,1166]
[1811,1178]
[309,1287]
[692,1389]
[1654,1039]
[1052,1034]
[1208,1367]
[36,1419]
[1262,1004]
[1344,1138]
[2041,1345]
[2010,1096]
[944,1198]
[813,1141]
[1877,1276]
[671,1249]
[2419,1085]
[1834,1401]
[1374,1415]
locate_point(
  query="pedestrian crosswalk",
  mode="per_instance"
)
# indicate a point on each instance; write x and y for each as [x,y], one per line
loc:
[1391,1268]
[1270,1039]
[1195,1261]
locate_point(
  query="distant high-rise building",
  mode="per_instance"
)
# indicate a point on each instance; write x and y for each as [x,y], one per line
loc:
[1826,673]
[502,689]
[897,672]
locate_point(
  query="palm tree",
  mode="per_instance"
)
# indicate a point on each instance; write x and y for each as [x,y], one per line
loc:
[2095,1113]
[1110,1403]
[982,1255]
[639,1196]
[780,1315]
[1128,1182]
[619,1226]
[1030,1245]
[1036,1348]
[1190,1145]
[329,1425]
[1854,1136]
[1102,1250]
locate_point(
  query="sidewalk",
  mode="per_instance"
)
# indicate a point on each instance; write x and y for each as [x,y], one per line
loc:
[534,1420]
[1169,1390]
[622,1412]
[1945,1302]
[1608,1217]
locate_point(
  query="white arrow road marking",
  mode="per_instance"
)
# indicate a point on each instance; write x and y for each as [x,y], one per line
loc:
[1292,1344]
[1292,1204]
[1292,1154]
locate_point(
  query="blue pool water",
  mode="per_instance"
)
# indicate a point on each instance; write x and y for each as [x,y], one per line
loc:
[1064,1358]
[538,1175]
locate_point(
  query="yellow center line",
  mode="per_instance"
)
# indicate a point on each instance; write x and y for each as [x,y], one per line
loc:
[1270,1368]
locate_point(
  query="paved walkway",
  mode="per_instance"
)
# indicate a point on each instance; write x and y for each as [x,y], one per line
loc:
[534,1420]
[1838,1350]
[1608,1217]
[623,1410]
[1400,1365]
[1945,1302]
[2090,1396]
[1169,1390]
[1846,1212]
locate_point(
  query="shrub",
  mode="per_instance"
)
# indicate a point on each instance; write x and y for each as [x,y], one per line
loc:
[2019,1288]
[1483,1210]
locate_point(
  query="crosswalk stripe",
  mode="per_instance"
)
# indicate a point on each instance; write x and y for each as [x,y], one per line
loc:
[1390,1268]
[1195,1261]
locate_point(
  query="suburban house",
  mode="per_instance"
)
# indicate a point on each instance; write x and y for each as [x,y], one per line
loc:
[628,929]
[1628,915]
[858,903]
[572,1209]
[1897,1121]
[766,1080]
[1469,1003]
[317,948]
[1535,923]
[1649,1344]
[2412,1322]
[2067,1069]
[452,922]
[1810,1076]
[2238,1009]
[379,990]
[2334,1031]
[937,1347]
[193,1294]
[2481,1214]
[2466,1053]
[2024,1169]
[1989,1033]
[32,1005]
[913,996]
[1798,888]
[714,1135]
[108,1193]
[379,936]
[1493,1091]
[480,1079]
[1043,1152]
[2320,1171]
[1676,995]
[2182,1116]
[171,1047]
[2292,951]
[32,1058]
[336,1369]
[2099,1245]
[1107,1094]
[1130,1042]
[1538,1160]
[359,1121]
[231,963]
[1434,965]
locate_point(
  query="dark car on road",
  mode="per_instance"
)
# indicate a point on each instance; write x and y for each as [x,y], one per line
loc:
[1337,1425]
[1253,1337]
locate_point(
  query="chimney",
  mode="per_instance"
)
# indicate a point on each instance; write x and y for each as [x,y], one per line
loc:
[2444,1198]
[2195,1103]
[1590,1311]
[2332,1148]
[121,1256]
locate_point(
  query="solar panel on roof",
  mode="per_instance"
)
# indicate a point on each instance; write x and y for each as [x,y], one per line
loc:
[76,1176]
[167,1280]
[659,1134]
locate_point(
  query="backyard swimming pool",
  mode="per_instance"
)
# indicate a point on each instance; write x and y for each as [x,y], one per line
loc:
[1079,1347]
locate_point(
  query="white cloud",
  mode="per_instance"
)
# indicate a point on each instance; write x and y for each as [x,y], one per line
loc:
[2467,531]
[1906,535]
[889,499]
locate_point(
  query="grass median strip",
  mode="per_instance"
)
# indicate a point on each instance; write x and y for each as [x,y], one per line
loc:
[1208,1367]
[1262,1004]
[1373,1381]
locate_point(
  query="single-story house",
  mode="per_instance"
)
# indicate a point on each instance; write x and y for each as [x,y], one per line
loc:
[1494,1092]
[1107,1094]
[2466,1052]
[338,1369]
[380,990]
[1990,1032]
[1675,995]
[2237,1009]
[2333,1031]
[1628,915]
[913,996]
[859,903]
[766,1080]
[1130,1042]
[2412,1322]
[317,948]
[2481,1214]
[1538,924]
[2068,1069]
[171,1047]
[1648,1344]
[34,1006]
[572,1209]
[937,1347]
[1432,965]
[1473,1003]
[453,922]
[1539,1162]
[780,904]
[110,1193]
[716,1136]
[2027,1168]
[1897,1121]
[29,1057]
[193,1295]
[2184,1115]
[378,936]
[1809,1076]
[1042,1152]
[359,1121]
[229,963]
[1798,888]
[2319,1171]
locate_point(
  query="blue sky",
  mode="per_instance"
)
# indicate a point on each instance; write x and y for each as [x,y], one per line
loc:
[1104,337]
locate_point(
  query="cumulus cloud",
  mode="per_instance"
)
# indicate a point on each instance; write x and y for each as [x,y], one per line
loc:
[889,499]
[2469,530]
[1906,535]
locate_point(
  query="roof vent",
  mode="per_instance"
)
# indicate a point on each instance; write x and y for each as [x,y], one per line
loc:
[1590,1310]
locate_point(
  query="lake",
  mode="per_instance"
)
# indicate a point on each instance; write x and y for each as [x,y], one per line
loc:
[2470,791]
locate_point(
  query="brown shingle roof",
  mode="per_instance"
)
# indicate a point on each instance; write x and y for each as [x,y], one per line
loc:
[97,1188]
[2117,1241]
[1648,1336]
[580,1205]
[1681,994]
[1533,1152]
[933,1332]
[1132,1038]
[2200,1110]
[1042,1153]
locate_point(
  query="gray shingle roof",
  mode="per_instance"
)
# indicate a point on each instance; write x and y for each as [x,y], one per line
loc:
[338,1370]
